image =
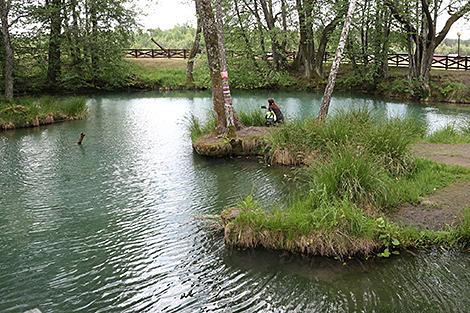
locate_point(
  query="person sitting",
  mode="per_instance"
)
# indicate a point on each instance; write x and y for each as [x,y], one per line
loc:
[274,107]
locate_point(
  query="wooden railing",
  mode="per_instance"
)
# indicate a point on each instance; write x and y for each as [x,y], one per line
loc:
[157,53]
[394,59]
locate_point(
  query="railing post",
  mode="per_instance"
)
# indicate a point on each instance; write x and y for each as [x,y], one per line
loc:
[184,53]
[153,53]
[466,63]
[447,62]
[397,56]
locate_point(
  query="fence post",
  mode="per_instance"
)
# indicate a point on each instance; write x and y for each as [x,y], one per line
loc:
[153,53]
[184,53]
[447,62]
[466,63]
[397,59]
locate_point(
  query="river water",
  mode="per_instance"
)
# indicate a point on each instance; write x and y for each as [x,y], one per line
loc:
[114,225]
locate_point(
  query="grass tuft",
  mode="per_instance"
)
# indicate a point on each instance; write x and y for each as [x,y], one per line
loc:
[29,112]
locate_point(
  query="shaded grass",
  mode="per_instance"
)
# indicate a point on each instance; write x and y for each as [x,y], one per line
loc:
[28,112]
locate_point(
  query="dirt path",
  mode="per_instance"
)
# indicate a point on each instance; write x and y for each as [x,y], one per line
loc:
[445,206]
[458,154]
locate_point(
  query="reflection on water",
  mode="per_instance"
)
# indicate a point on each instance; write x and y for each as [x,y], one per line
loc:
[111,226]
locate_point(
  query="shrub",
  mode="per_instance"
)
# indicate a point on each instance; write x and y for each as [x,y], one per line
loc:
[455,91]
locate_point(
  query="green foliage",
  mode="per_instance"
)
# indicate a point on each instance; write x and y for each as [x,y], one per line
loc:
[455,91]
[331,221]
[178,37]
[463,230]
[387,140]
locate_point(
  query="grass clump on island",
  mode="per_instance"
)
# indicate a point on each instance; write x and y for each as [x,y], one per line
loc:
[33,112]
[361,170]
[198,128]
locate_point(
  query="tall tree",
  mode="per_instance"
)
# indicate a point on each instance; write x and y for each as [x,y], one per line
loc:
[8,64]
[209,26]
[229,115]
[193,52]
[423,34]
[279,59]
[325,104]
[54,8]
[306,52]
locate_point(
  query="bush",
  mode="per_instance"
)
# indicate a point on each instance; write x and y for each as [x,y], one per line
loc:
[455,91]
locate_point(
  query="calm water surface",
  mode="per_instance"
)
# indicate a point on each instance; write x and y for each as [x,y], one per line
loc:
[113,225]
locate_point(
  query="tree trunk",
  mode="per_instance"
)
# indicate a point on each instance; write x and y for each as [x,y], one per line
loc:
[229,114]
[94,38]
[325,36]
[193,53]
[325,104]
[278,57]
[75,49]
[204,9]
[9,57]
[54,63]
[306,53]
[249,49]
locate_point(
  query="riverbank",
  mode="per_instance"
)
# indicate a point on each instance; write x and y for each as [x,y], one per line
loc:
[146,74]
[360,177]
[170,74]
[34,112]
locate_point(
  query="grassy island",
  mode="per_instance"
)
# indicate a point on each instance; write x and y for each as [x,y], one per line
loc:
[34,112]
[361,177]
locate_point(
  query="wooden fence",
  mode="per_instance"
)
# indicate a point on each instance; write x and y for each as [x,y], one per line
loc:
[394,59]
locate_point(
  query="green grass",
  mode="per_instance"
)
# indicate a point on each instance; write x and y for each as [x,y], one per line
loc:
[26,112]
[252,118]
[451,134]
[386,140]
[327,223]
[198,128]
[363,170]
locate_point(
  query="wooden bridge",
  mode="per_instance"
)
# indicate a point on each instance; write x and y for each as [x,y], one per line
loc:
[394,59]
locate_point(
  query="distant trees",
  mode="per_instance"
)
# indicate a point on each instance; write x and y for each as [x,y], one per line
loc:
[419,21]
[71,43]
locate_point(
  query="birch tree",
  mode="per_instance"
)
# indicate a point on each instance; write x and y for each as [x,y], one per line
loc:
[325,104]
